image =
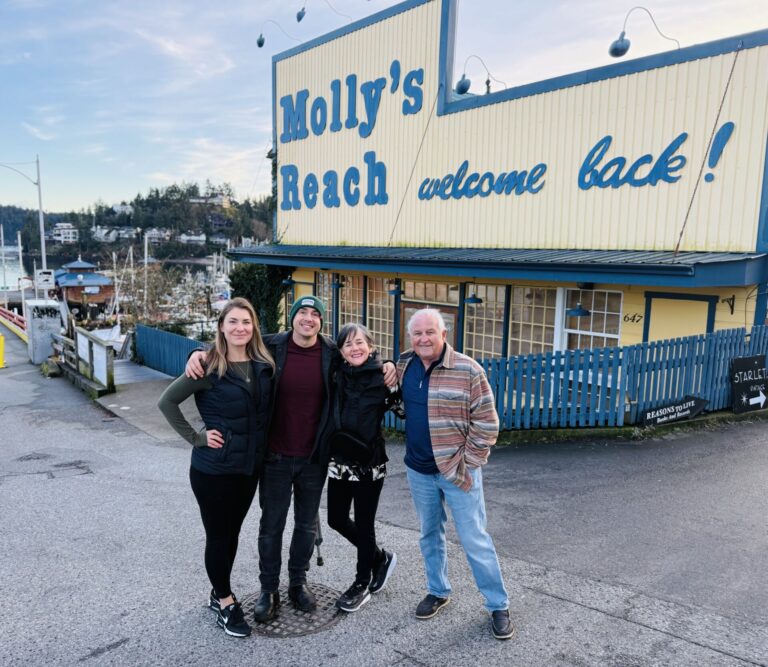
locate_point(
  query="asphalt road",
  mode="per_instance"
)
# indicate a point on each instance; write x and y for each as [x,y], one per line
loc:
[652,553]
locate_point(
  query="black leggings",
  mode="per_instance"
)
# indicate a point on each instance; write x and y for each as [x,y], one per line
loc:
[361,532]
[224,501]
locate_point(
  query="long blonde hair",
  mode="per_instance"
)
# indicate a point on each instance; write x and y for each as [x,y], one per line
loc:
[216,359]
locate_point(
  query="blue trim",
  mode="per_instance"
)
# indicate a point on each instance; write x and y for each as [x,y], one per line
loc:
[448,13]
[352,27]
[761,304]
[396,321]
[507,319]
[712,300]
[743,272]
[460,318]
[335,300]
[706,50]
[762,214]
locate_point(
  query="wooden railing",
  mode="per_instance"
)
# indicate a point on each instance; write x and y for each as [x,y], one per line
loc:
[88,356]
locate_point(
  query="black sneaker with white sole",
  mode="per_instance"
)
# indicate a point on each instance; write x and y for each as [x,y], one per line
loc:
[231,618]
[354,597]
[383,570]
[213,602]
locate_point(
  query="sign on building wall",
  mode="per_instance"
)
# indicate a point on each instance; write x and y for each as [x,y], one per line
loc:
[612,160]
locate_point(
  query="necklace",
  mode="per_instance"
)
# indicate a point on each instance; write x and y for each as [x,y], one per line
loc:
[245,374]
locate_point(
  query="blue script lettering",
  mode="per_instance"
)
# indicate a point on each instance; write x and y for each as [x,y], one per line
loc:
[615,173]
[454,186]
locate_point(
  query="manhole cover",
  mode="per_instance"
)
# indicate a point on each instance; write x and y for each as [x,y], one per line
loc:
[291,622]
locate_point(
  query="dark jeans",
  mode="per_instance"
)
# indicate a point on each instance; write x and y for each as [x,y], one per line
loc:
[361,532]
[281,476]
[224,501]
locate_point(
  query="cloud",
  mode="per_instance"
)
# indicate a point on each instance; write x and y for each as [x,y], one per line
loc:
[14,58]
[37,132]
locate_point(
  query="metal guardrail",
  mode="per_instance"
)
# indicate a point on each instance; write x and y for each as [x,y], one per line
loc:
[14,322]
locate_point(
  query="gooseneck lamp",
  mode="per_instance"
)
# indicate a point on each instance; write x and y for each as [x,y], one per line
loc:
[462,87]
[302,12]
[578,311]
[620,46]
[260,39]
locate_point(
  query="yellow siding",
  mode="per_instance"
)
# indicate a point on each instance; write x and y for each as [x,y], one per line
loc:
[643,113]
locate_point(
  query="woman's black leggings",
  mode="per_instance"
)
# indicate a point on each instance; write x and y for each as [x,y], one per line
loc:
[361,532]
[224,501]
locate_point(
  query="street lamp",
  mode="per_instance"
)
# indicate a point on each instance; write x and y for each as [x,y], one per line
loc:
[39,204]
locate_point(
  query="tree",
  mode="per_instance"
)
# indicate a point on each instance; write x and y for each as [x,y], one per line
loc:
[263,286]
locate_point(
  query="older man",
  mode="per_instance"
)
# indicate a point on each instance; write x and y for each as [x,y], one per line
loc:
[450,427]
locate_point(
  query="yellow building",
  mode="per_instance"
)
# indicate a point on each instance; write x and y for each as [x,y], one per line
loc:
[612,206]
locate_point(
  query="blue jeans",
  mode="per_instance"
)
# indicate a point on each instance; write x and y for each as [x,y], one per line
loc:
[431,493]
[281,477]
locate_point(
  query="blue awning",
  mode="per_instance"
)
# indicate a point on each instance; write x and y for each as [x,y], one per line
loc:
[82,280]
[627,267]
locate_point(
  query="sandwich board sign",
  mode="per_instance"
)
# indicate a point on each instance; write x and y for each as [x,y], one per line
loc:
[748,383]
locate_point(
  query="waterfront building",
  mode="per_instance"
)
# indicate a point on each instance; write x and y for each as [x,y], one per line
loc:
[607,207]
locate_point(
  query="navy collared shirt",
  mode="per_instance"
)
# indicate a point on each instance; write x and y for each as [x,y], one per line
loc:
[418,444]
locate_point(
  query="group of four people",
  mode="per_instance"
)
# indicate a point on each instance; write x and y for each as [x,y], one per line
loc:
[284,412]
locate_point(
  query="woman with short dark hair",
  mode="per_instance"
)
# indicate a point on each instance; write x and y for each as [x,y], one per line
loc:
[358,460]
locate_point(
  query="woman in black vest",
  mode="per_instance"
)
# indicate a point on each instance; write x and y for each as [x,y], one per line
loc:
[358,460]
[233,401]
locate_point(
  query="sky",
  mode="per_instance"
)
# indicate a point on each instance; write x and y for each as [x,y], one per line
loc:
[117,96]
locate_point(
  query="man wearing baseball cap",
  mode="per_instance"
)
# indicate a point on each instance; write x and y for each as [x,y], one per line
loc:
[297,458]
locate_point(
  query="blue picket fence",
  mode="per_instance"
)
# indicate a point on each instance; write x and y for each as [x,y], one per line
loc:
[609,386]
[162,350]
[614,386]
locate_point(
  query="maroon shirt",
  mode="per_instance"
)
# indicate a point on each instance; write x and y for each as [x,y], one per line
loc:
[300,398]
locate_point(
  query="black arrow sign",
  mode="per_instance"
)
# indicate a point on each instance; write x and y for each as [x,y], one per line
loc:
[688,407]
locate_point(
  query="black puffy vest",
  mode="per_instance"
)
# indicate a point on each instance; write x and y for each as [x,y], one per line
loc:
[241,418]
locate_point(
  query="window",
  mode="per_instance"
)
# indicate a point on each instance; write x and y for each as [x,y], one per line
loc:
[431,293]
[324,292]
[484,322]
[532,320]
[351,300]
[380,316]
[601,327]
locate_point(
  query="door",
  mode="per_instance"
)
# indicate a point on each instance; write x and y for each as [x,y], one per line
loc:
[678,315]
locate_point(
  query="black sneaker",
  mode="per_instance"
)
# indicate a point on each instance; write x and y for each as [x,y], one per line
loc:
[430,605]
[382,571]
[354,597]
[501,625]
[213,602]
[232,620]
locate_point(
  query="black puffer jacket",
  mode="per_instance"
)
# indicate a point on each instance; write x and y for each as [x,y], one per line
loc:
[360,400]
[242,419]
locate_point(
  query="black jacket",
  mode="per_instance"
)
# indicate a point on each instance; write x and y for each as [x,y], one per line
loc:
[243,421]
[278,346]
[360,400]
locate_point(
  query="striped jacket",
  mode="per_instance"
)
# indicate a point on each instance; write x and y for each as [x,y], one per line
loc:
[463,424]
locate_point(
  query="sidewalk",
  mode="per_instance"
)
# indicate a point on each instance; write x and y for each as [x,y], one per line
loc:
[103,549]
